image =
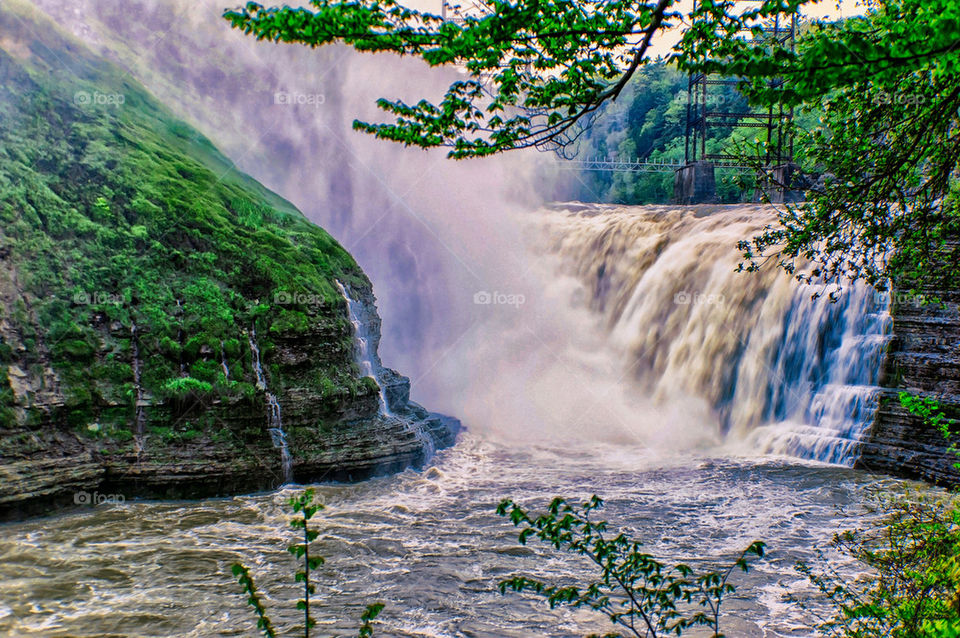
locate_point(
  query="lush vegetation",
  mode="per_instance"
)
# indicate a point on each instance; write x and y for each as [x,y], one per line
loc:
[914,551]
[934,415]
[128,231]
[888,141]
[647,123]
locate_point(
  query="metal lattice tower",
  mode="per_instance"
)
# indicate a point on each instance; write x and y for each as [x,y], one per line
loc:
[705,112]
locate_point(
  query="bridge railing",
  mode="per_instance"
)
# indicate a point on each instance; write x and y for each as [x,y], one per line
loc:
[636,165]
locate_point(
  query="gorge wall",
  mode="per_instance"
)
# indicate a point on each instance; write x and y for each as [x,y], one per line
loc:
[168,326]
[923,360]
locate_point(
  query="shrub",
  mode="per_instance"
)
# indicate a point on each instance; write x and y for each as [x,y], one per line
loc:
[638,593]
[915,553]
[306,506]
[182,387]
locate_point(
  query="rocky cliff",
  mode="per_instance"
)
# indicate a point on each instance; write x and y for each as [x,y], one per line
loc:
[168,327]
[923,360]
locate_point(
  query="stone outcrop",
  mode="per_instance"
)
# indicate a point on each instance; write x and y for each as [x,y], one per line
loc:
[695,183]
[924,360]
[169,328]
[46,463]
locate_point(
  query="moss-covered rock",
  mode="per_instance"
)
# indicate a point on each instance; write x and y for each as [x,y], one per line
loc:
[137,267]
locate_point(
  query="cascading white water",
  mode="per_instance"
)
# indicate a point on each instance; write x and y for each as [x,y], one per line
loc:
[364,352]
[274,420]
[140,418]
[223,362]
[823,395]
[183,365]
[779,371]
[365,356]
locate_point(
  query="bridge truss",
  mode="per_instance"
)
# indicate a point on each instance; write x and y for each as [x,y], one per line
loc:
[705,112]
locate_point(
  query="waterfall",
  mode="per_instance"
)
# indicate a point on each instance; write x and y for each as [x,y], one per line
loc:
[223,362]
[183,365]
[140,418]
[365,356]
[780,372]
[364,347]
[822,395]
[274,420]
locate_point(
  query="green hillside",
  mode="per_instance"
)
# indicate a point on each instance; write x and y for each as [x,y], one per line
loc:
[114,215]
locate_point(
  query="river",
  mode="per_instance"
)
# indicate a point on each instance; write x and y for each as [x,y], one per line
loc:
[429,545]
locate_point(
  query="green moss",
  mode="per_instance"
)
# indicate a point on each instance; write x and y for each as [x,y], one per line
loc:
[75,349]
[180,434]
[291,321]
[120,216]
[185,386]
[370,384]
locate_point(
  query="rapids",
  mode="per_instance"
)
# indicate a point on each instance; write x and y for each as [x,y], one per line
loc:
[428,544]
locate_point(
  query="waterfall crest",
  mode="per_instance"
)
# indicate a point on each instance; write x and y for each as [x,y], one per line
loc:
[780,372]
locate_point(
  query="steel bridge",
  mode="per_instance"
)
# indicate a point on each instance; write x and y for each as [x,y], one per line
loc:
[710,114]
[705,105]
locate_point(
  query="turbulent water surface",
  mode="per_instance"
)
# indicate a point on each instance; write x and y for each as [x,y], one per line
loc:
[428,544]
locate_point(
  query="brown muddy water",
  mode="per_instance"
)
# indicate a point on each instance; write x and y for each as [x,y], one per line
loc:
[429,545]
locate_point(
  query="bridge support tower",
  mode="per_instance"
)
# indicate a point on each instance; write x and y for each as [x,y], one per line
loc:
[695,183]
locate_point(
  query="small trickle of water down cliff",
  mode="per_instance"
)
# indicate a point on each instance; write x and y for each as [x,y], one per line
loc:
[274,413]
[368,361]
[776,370]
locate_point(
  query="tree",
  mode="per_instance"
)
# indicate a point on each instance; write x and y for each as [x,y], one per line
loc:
[539,70]
[640,595]
[887,145]
[914,551]
[305,506]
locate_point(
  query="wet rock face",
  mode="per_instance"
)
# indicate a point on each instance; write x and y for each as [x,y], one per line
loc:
[924,360]
[333,435]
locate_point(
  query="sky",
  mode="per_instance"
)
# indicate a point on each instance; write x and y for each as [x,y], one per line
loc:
[830,9]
